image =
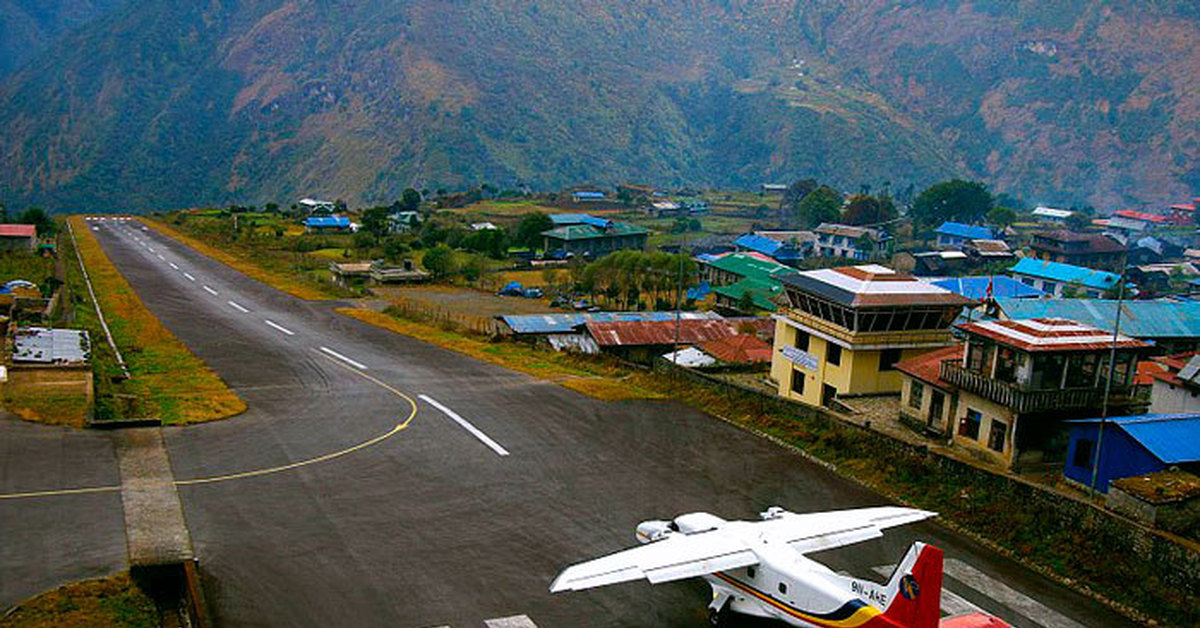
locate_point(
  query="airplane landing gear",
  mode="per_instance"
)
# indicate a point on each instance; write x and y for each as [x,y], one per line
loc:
[718,617]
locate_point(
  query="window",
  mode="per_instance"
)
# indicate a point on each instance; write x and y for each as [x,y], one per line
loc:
[888,359]
[1083,454]
[802,339]
[833,354]
[1049,287]
[1027,281]
[969,427]
[916,393]
[797,382]
[996,435]
[783,587]
[750,571]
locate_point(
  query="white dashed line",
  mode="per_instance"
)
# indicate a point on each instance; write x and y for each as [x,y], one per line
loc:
[210,290]
[237,307]
[358,365]
[466,425]
[279,327]
[189,277]
[173,265]
[161,257]
[516,621]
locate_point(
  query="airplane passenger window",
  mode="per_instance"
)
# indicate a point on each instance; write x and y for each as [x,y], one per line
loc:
[750,572]
[782,587]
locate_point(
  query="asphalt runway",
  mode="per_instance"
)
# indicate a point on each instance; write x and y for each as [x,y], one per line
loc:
[347,496]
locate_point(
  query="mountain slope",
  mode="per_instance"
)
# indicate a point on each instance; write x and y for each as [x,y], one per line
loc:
[174,104]
[29,26]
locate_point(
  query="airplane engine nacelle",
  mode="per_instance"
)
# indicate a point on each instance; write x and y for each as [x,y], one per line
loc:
[650,531]
[698,522]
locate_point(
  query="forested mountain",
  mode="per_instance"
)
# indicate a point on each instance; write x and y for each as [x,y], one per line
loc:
[28,27]
[164,103]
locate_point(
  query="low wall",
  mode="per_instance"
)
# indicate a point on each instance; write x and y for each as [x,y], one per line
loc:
[1024,520]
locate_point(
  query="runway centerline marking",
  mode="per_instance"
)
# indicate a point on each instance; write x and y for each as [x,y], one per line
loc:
[189,277]
[160,257]
[210,290]
[466,425]
[279,327]
[173,265]
[344,358]
[237,307]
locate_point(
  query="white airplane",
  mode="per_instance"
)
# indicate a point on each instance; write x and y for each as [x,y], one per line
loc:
[759,568]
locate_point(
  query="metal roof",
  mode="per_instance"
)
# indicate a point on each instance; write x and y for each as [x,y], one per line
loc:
[751,266]
[1051,212]
[970,232]
[1172,438]
[590,231]
[763,245]
[327,221]
[1140,319]
[871,285]
[42,345]
[690,357]
[761,292]
[568,322]
[563,220]
[739,349]
[1066,273]
[636,333]
[977,287]
[18,231]
[1049,334]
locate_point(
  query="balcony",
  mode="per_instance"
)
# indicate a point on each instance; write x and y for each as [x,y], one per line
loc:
[1021,400]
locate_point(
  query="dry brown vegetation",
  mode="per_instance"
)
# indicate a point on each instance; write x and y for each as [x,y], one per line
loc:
[110,602]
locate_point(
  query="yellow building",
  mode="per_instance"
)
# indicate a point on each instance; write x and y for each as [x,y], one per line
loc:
[846,328]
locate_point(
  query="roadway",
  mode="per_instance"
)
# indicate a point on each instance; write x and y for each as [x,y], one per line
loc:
[380,481]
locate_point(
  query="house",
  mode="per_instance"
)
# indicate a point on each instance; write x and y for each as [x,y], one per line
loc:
[1153,219]
[666,208]
[1131,446]
[772,188]
[782,251]
[325,224]
[314,207]
[1050,214]
[483,226]
[1121,229]
[588,196]
[15,237]
[567,331]
[643,341]
[991,286]
[927,400]
[940,263]
[404,221]
[592,236]
[1055,278]
[1018,380]
[406,272]
[1177,388]
[956,234]
[347,274]
[744,349]
[1172,327]
[849,242]
[1183,214]
[1081,249]
[844,329]
[986,251]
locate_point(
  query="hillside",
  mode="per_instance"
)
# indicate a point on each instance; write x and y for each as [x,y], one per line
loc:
[28,27]
[169,104]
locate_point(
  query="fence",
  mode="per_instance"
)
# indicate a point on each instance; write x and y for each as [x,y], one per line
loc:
[429,312]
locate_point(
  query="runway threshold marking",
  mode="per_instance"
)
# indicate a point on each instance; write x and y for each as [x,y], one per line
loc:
[466,425]
[401,426]
[237,307]
[516,621]
[279,327]
[343,358]
[1008,596]
[952,603]
[210,290]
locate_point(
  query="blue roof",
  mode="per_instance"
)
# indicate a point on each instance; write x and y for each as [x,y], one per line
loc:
[1139,319]
[758,243]
[969,232]
[588,194]
[1172,438]
[976,287]
[562,220]
[1066,273]
[561,323]
[327,221]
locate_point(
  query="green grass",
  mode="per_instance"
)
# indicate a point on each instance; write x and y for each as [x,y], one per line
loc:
[22,265]
[112,602]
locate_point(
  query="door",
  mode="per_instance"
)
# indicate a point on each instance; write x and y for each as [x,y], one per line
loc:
[828,393]
[936,403]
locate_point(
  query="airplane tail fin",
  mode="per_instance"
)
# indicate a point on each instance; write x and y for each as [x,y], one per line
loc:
[915,588]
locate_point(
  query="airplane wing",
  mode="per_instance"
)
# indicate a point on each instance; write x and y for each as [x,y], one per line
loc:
[818,531]
[673,558]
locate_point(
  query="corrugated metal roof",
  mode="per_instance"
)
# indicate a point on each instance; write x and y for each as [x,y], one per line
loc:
[745,265]
[871,286]
[1066,273]
[976,287]
[739,349]
[566,322]
[1049,334]
[626,334]
[18,231]
[761,292]
[41,345]
[591,231]
[563,220]
[327,222]
[1172,438]
[970,232]
[1140,319]
[927,367]
[766,246]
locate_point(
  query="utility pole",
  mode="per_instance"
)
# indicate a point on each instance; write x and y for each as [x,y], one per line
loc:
[1112,368]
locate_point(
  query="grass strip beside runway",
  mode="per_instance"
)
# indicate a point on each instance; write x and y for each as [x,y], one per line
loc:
[168,381]
[104,602]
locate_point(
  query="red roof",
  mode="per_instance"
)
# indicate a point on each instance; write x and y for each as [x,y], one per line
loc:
[926,367]
[1142,216]
[18,231]
[1147,371]
[741,349]
[691,331]
[1049,334]
[1185,207]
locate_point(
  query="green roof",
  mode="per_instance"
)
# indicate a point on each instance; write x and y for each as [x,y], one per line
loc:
[590,232]
[761,291]
[749,266]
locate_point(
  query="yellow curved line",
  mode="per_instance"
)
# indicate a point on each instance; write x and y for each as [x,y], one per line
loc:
[401,426]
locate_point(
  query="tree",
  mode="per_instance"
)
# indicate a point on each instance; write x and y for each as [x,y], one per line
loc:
[395,249]
[375,221]
[963,201]
[410,200]
[37,217]
[1001,217]
[439,260]
[869,210]
[746,302]
[823,204]
[529,230]
[789,205]
[1078,222]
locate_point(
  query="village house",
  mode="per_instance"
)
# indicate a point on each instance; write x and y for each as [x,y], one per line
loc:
[1131,446]
[14,237]
[1092,250]
[586,235]
[1017,381]
[956,234]
[849,242]
[1183,214]
[314,207]
[845,329]
[328,224]
[1171,326]
[1177,387]
[734,275]
[1051,214]
[781,250]
[1056,279]
[986,251]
